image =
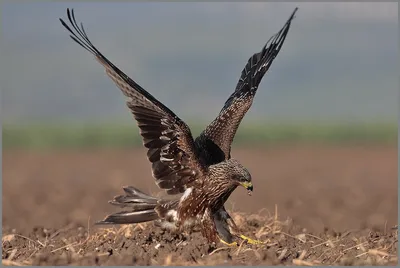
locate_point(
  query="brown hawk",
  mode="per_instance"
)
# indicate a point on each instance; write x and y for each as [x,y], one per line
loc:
[202,168]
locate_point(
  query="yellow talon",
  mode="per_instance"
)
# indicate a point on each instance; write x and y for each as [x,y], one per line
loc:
[252,241]
[233,244]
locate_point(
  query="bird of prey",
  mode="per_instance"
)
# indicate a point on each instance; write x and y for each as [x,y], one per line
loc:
[202,168]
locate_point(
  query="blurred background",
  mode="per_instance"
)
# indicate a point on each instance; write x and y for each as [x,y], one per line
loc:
[320,138]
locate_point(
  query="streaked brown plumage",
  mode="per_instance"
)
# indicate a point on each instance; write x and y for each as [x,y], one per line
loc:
[201,169]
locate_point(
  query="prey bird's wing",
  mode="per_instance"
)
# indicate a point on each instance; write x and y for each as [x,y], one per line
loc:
[169,141]
[223,129]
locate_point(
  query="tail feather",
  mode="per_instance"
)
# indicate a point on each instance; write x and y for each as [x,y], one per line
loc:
[142,207]
[134,192]
[122,201]
[128,217]
[134,199]
[133,202]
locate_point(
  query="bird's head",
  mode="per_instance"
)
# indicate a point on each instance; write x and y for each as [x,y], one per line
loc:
[240,175]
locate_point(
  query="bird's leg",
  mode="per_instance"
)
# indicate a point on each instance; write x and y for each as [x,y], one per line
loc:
[232,225]
[208,228]
[228,230]
[220,220]
[251,241]
[233,244]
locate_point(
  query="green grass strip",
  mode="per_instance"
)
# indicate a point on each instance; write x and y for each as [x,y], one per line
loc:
[115,135]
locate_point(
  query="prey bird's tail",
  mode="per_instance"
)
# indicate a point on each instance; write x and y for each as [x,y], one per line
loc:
[141,208]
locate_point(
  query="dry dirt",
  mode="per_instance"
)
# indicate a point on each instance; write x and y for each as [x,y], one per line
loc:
[313,205]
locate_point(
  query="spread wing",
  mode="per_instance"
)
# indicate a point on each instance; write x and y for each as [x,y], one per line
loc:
[169,141]
[223,129]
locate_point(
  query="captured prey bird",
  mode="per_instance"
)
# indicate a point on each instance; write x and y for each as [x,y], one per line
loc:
[199,172]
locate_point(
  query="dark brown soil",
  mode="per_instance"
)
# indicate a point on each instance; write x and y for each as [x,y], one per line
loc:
[313,205]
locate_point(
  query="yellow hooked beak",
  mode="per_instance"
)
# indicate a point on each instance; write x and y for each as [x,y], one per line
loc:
[248,186]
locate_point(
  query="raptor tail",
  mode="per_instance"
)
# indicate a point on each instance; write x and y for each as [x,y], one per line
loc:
[141,208]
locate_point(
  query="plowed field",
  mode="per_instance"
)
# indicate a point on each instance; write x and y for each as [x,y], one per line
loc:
[311,205]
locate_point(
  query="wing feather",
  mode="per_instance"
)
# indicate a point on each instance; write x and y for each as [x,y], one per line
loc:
[222,130]
[169,141]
